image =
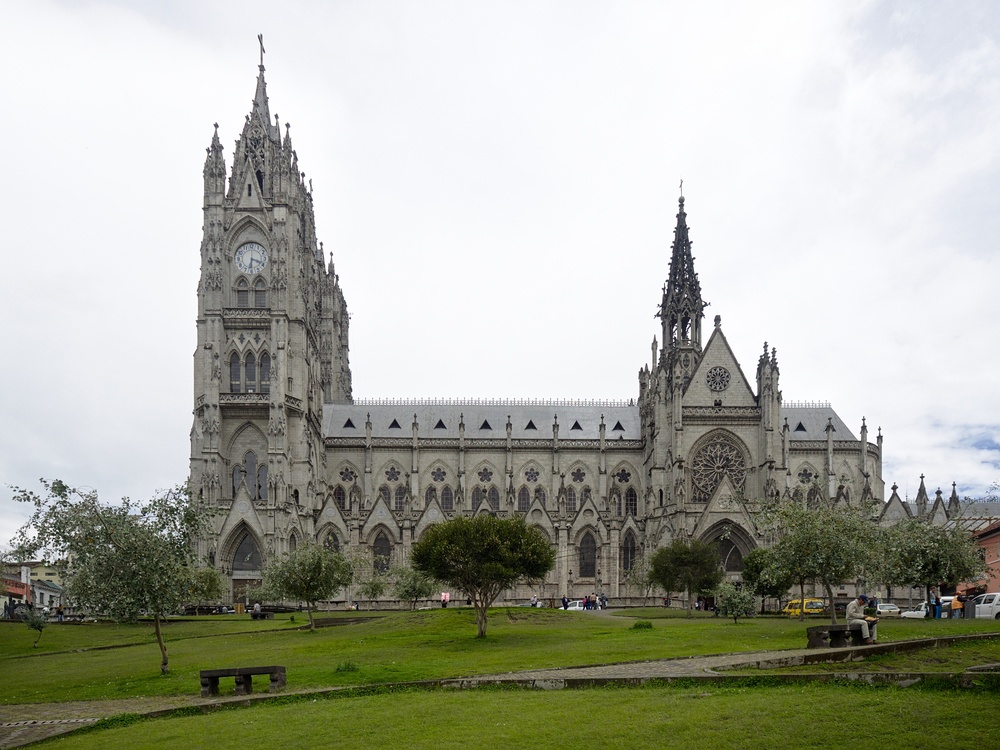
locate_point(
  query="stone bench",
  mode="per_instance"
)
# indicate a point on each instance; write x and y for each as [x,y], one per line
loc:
[834,636]
[261,615]
[244,679]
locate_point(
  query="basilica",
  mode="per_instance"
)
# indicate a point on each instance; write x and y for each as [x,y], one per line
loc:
[286,455]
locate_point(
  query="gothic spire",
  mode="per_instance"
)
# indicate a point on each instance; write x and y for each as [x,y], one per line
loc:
[682,307]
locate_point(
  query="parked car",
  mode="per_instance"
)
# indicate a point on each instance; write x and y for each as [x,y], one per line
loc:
[921,609]
[987,606]
[884,609]
[812,607]
[575,606]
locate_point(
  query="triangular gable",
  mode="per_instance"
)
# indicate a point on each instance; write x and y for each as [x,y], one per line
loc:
[893,511]
[718,354]
[724,504]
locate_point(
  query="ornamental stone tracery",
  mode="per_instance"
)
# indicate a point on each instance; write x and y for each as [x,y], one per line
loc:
[719,457]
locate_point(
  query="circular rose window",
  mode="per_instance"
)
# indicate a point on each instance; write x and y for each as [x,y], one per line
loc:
[718,378]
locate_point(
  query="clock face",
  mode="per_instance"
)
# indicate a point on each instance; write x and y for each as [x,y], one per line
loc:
[251,257]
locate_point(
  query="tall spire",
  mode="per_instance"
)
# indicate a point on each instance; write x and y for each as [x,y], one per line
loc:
[682,307]
[260,109]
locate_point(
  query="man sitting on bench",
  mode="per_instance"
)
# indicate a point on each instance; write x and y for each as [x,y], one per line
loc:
[856,616]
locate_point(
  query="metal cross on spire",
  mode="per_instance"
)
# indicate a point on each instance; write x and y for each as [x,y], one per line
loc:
[682,187]
[260,40]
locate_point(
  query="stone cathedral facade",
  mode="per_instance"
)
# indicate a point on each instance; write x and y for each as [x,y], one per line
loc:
[283,451]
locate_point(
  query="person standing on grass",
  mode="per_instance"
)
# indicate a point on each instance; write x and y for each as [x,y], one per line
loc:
[856,616]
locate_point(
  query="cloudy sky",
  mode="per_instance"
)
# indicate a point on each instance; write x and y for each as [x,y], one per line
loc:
[498,184]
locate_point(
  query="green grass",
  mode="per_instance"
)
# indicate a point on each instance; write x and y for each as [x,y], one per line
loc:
[682,718]
[396,647]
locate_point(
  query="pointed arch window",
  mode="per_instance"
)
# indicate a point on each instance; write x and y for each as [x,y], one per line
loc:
[234,373]
[251,373]
[494,498]
[262,482]
[265,373]
[585,496]
[293,542]
[615,501]
[629,552]
[385,496]
[340,497]
[588,556]
[331,542]
[237,478]
[447,499]
[381,553]
[430,495]
[242,293]
[523,500]
[540,495]
[247,555]
[400,498]
[631,502]
[477,498]
[570,500]
[260,293]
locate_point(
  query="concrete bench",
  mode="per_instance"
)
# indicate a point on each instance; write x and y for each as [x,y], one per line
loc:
[834,636]
[244,679]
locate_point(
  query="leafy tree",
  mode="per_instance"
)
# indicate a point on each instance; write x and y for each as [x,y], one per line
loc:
[482,556]
[411,585]
[310,573]
[373,585]
[35,619]
[735,601]
[922,554]
[690,566]
[762,578]
[637,577]
[206,585]
[127,560]
[828,544]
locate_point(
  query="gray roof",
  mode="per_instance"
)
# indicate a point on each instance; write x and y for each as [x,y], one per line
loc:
[809,423]
[578,420]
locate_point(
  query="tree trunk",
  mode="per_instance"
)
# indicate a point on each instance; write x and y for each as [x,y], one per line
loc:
[312,624]
[481,607]
[829,598]
[162,645]
[802,600]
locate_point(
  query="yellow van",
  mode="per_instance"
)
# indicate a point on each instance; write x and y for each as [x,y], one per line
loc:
[812,607]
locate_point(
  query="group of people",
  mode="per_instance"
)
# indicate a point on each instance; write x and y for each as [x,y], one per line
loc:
[953,608]
[589,602]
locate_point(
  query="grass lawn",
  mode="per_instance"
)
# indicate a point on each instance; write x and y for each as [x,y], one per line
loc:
[801,716]
[102,661]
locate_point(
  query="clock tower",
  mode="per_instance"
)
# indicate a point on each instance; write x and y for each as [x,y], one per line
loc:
[272,346]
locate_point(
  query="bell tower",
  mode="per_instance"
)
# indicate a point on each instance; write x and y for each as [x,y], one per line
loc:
[272,338]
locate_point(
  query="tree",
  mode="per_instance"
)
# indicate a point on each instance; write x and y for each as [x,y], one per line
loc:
[206,585]
[691,566]
[919,553]
[762,578]
[637,576]
[126,560]
[411,585]
[482,556]
[310,573]
[35,619]
[373,585]
[828,544]
[735,601]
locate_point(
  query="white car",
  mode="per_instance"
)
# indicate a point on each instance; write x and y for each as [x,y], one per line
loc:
[887,610]
[917,612]
[575,606]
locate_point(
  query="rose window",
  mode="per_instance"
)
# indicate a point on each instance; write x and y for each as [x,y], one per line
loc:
[438,475]
[392,474]
[579,475]
[348,475]
[718,378]
[622,476]
[485,475]
[720,457]
[531,475]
